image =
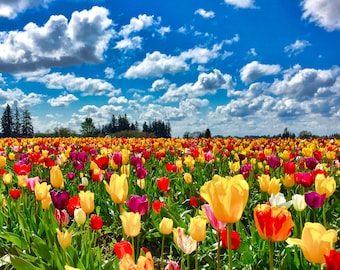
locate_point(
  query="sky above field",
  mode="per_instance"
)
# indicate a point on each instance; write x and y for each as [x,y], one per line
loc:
[237,67]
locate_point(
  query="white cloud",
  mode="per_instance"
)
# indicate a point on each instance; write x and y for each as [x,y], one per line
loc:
[256,70]
[305,83]
[297,47]
[17,96]
[163,30]
[137,24]
[159,85]
[117,100]
[325,13]
[63,100]
[87,86]
[10,9]
[204,13]
[2,80]
[129,43]
[241,3]
[58,43]
[109,73]
[157,64]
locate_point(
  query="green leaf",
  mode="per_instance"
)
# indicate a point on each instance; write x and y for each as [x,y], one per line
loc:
[41,247]
[15,239]
[21,264]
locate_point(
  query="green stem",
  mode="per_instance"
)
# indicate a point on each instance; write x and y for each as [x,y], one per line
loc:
[301,226]
[196,258]
[218,251]
[230,251]
[182,260]
[271,257]
[133,248]
[324,215]
[188,262]
[162,251]
[319,266]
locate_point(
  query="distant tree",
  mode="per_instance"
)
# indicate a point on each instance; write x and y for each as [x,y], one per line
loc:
[87,128]
[63,132]
[17,122]
[26,125]
[207,133]
[287,134]
[7,122]
[305,134]
[186,135]
[123,123]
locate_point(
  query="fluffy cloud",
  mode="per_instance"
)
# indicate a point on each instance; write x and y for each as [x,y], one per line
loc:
[241,3]
[137,24]
[159,85]
[63,100]
[204,13]
[255,70]
[10,9]
[17,96]
[58,43]
[157,64]
[87,86]
[297,47]
[324,13]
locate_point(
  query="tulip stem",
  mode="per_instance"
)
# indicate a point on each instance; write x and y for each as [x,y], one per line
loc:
[230,251]
[324,215]
[218,251]
[162,251]
[188,261]
[271,259]
[133,248]
[196,258]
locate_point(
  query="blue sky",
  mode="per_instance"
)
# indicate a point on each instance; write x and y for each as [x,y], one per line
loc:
[237,67]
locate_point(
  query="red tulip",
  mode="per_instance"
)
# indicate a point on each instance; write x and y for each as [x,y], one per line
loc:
[156,206]
[96,222]
[235,239]
[122,248]
[163,183]
[73,204]
[333,260]
[15,193]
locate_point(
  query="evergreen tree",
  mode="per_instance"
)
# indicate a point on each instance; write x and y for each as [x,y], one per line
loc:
[7,122]
[27,127]
[17,122]
[207,133]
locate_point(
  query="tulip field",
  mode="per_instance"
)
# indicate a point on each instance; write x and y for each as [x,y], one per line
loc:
[156,203]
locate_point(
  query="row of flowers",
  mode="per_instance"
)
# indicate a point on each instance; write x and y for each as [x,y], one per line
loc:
[80,199]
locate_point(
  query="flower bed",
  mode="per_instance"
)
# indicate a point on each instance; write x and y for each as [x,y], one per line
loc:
[117,203]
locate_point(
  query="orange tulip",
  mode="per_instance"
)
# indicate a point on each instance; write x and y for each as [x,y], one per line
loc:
[273,223]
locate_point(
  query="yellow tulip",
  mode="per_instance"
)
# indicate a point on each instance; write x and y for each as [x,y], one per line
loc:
[131,223]
[46,202]
[197,228]
[264,181]
[56,177]
[41,190]
[125,169]
[226,197]
[2,161]
[87,201]
[125,156]
[325,185]
[189,161]
[79,216]
[274,186]
[118,188]
[11,156]
[288,180]
[187,178]
[64,238]
[67,267]
[8,178]
[316,242]
[166,225]
[234,166]
[22,180]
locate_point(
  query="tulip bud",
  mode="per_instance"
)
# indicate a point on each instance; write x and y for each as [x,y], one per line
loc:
[166,225]
[64,238]
[56,177]
[187,178]
[197,228]
[79,216]
[8,178]
[131,223]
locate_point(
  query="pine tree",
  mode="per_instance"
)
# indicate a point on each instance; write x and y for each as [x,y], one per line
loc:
[26,127]
[17,122]
[7,122]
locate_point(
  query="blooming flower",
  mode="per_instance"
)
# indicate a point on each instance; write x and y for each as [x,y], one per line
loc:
[31,182]
[73,204]
[138,204]
[56,177]
[273,223]
[299,202]
[87,201]
[60,199]
[185,242]
[7,178]
[131,223]
[274,162]
[96,222]
[279,200]
[122,248]
[163,183]
[15,193]
[171,265]
[166,225]
[303,178]
[316,242]
[41,190]
[197,228]
[325,185]
[64,238]
[333,260]
[235,239]
[289,167]
[227,197]
[157,205]
[117,188]
[79,216]
[314,199]
[214,222]
[62,217]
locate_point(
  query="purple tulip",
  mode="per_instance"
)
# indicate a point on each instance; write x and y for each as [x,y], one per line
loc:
[60,199]
[141,172]
[311,163]
[79,166]
[70,176]
[117,158]
[138,204]
[314,199]
[82,156]
[246,169]
[274,162]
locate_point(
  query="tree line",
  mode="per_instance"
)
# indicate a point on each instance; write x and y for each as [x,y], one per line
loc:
[17,123]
